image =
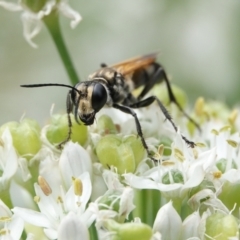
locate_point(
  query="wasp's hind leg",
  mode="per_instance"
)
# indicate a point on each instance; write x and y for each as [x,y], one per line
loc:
[158,76]
[148,101]
[69,110]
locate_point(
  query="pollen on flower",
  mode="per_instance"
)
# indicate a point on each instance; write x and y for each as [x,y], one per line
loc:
[232,143]
[179,154]
[214,131]
[59,199]
[44,186]
[4,232]
[217,174]
[233,116]
[36,199]
[225,128]
[5,219]
[1,142]
[199,106]
[78,187]
[201,145]
[195,153]
[168,163]
[161,149]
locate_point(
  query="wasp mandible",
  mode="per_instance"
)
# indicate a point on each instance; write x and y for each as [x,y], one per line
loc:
[112,87]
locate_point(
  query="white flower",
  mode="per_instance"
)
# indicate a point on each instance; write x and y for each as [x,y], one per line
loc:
[9,161]
[54,210]
[59,171]
[32,20]
[190,169]
[115,204]
[11,225]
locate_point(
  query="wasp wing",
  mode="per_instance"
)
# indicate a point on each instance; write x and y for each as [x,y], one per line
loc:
[130,66]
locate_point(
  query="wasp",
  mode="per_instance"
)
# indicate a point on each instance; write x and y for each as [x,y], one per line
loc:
[112,86]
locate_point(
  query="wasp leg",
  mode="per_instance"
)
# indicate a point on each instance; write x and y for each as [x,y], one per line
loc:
[160,73]
[69,110]
[148,101]
[128,110]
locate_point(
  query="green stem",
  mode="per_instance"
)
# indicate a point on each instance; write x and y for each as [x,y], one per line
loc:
[93,232]
[52,23]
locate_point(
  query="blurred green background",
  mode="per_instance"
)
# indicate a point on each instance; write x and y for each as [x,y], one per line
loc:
[198,43]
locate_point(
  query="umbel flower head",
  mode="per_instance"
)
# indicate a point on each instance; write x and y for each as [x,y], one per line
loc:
[102,184]
[34,11]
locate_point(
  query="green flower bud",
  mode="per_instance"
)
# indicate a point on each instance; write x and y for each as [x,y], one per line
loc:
[221,226]
[25,135]
[229,196]
[222,163]
[124,154]
[176,176]
[58,130]
[105,125]
[161,92]
[129,231]
[137,147]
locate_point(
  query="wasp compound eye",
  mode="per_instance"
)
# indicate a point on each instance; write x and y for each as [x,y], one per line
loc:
[99,97]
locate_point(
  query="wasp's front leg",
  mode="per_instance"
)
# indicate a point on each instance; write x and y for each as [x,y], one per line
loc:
[69,104]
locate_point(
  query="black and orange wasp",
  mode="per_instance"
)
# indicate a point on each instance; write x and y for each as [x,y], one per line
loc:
[112,87]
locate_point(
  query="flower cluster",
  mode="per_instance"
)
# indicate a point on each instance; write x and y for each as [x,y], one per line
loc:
[102,185]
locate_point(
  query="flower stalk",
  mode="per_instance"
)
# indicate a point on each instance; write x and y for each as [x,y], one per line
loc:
[52,23]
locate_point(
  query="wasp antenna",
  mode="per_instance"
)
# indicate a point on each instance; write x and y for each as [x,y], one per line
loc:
[49,85]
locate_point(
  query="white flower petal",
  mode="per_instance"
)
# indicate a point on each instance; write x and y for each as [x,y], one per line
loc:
[14,7]
[23,167]
[48,206]
[32,217]
[168,222]
[31,27]
[8,159]
[16,227]
[233,175]
[49,169]
[98,185]
[190,226]
[126,202]
[72,201]
[74,161]
[144,183]
[111,179]
[51,233]
[72,228]
[67,11]
[20,196]
[4,210]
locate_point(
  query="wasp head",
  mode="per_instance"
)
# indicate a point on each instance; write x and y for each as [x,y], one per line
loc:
[90,98]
